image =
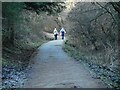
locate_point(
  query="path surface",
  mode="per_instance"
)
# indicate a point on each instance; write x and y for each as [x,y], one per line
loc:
[52,68]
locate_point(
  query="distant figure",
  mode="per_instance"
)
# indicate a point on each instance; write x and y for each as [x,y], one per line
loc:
[62,33]
[55,32]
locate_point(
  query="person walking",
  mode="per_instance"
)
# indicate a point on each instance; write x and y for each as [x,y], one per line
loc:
[62,33]
[55,32]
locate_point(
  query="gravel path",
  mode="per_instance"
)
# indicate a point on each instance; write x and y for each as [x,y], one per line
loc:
[52,68]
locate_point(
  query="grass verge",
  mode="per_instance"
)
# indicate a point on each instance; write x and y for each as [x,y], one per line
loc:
[111,78]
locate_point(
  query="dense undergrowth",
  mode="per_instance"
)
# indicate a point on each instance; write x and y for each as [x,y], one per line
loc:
[110,77]
[93,37]
[94,30]
[19,56]
[23,25]
[25,42]
[22,29]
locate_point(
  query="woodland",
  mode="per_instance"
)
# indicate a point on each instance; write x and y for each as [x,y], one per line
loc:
[92,37]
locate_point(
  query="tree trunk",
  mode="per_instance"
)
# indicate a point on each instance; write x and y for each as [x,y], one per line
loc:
[119,39]
[11,32]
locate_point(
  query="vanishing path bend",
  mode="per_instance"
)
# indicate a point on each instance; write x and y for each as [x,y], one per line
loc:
[52,68]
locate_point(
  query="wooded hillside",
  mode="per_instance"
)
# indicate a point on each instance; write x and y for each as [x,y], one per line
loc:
[92,28]
[93,33]
[23,24]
